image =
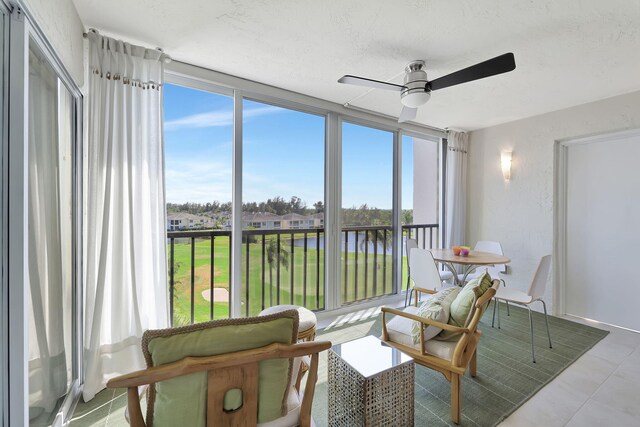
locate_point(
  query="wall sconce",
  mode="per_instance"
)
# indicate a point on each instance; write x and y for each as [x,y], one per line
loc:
[505,162]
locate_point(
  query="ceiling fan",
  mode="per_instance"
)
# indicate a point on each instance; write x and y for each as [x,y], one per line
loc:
[416,89]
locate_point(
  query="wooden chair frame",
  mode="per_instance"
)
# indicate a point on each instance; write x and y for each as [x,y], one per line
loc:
[226,371]
[464,354]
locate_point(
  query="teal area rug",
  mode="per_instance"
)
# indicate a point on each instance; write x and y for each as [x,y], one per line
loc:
[506,375]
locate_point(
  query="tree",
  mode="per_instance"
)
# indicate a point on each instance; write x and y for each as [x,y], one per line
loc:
[296,205]
[407,216]
[318,206]
[272,258]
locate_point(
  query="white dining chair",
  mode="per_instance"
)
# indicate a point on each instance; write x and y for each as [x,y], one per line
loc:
[535,293]
[410,244]
[424,271]
[494,271]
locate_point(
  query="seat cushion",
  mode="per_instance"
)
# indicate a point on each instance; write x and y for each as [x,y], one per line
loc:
[399,328]
[441,349]
[436,307]
[400,332]
[183,400]
[306,318]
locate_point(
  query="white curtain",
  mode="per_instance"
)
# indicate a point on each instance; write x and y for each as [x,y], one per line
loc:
[125,242]
[456,189]
[49,237]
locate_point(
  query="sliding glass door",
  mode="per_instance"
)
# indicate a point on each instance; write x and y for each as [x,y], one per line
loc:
[367,213]
[283,208]
[51,249]
[420,189]
[198,130]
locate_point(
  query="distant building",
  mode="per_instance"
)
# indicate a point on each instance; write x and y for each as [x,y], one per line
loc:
[261,220]
[187,221]
[270,221]
[294,220]
[318,220]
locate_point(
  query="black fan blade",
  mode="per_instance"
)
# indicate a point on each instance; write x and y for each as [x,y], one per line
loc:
[377,84]
[407,114]
[498,65]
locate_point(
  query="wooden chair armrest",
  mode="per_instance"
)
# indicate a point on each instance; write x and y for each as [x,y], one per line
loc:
[190,365]
[435,323]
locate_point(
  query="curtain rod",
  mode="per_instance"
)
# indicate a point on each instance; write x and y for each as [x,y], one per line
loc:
[167,58]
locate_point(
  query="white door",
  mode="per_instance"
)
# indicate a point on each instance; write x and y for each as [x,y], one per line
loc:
[603,230]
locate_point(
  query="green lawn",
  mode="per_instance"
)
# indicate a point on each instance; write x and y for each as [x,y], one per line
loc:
[377,269]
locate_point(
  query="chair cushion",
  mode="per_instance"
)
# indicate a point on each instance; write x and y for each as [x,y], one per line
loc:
[399,328]
[441,349]
[183,400]
[306,318]
[436,307]
[462,308]
[400,332]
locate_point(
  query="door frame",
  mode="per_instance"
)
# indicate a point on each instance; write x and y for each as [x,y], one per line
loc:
[561,155]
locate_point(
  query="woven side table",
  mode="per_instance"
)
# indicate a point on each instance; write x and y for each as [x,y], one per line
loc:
[370,384]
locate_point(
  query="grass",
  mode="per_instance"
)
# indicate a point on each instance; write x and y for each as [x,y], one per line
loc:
[375,281]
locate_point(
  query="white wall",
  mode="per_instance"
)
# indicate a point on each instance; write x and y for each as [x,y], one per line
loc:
[62,27]
[519,213]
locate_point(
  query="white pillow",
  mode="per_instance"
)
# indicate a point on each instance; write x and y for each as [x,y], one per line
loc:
[435,308]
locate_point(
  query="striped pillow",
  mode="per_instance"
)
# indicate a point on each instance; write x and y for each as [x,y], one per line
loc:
[435,308]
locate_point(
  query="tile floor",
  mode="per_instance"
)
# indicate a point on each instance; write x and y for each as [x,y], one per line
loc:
[602,388]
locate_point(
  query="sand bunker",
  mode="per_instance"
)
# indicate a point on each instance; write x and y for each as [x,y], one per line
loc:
[219,295]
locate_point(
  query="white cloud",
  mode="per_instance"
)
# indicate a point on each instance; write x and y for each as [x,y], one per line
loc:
[193,180]
[216,118]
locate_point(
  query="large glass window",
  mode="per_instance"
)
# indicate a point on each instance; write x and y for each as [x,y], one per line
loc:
[50,240]
[367,212]
[198,134]
[283,208]
[419,216]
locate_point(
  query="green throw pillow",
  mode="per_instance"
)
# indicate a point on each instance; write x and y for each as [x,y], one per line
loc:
[182,401]
[434,308]
[462,308]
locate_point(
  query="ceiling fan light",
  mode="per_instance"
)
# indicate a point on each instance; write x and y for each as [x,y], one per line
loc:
[416,99]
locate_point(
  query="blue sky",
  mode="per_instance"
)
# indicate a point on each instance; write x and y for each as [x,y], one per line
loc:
[283,153]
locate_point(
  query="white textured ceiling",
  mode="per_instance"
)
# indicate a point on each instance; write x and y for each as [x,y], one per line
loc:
[567,52]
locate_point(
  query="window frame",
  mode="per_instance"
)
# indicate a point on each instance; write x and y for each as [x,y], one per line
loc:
[241,89]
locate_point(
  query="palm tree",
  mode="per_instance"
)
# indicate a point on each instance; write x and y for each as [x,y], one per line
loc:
[272,258]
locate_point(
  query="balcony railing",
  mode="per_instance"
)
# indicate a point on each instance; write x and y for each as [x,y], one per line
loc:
[280,267]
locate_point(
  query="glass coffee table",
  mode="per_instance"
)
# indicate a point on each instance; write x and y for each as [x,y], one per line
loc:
[370,384]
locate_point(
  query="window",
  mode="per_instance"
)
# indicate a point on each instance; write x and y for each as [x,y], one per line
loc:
[367,212]
[419,216]
[283,179]
[281,248]
[198,148]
